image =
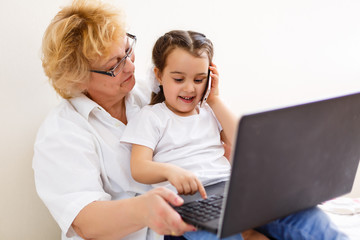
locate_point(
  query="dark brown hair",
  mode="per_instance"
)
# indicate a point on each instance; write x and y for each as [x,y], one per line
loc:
[194,42]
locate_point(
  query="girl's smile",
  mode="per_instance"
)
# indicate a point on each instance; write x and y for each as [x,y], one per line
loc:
[187,99]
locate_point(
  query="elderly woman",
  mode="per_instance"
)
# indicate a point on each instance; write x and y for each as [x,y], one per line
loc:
[81,169]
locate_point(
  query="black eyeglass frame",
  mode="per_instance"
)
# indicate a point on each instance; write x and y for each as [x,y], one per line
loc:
[128,54]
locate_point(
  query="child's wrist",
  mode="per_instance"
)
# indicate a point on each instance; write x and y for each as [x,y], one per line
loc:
[166,172]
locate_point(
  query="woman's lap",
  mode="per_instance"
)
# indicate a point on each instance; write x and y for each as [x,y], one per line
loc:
[311,223]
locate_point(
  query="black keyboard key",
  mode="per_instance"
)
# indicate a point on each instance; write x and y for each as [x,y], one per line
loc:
[202,210]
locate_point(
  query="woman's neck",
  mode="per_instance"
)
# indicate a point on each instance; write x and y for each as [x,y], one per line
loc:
[118,111]
[115,107]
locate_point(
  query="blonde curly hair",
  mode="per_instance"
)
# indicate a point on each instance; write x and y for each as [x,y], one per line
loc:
[78,35]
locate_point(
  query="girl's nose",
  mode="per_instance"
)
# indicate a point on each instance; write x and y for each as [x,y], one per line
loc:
[189,86]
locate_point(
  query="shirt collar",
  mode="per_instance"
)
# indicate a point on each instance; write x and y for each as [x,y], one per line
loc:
[133,102]
[84,105]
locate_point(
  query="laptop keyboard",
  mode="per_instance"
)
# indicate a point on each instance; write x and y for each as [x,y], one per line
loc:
[202,210]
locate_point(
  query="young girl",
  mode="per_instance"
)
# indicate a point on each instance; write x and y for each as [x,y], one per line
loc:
[178,142]
[174,139]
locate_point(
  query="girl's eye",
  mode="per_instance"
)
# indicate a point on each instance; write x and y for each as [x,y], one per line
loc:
[178,79]
[198,80]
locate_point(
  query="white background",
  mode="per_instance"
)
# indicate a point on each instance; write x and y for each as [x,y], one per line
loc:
[269,53]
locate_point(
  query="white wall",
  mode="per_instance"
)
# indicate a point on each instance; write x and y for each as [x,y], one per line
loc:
[269,53]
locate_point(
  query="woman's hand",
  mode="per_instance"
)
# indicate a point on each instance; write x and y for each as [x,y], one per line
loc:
[117,219]
[159,215]
[184,181]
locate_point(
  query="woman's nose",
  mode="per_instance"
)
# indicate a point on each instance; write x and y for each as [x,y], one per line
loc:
[129,64]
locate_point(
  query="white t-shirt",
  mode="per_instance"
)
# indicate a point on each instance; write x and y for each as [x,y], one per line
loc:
[78,159]
[191,142]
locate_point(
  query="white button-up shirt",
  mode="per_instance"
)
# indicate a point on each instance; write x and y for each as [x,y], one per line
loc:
[78,159]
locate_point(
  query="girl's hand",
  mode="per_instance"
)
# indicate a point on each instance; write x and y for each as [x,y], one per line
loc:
[185,181]
[214,74]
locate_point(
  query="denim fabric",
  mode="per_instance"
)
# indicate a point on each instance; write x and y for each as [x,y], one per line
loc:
[309,224]
[204,235]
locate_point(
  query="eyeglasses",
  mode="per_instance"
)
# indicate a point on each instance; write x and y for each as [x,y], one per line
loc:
[114,71]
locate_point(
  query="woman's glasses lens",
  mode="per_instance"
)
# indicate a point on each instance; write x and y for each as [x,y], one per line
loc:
[129,52]
[120,66]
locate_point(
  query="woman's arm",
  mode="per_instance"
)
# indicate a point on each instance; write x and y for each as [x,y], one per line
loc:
[145,170]
[68,175]
[116,219]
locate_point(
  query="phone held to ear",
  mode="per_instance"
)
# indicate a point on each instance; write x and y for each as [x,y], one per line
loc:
[207,90]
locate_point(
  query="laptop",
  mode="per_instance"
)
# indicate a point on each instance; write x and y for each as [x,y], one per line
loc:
[283,161]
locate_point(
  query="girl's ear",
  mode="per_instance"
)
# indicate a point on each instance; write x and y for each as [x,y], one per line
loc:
[157,74]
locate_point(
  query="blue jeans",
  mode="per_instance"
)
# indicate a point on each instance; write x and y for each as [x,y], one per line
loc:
[308,224]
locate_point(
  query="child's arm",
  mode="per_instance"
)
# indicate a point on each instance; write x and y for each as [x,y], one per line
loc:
[226,118]
[226,145]
[145,170]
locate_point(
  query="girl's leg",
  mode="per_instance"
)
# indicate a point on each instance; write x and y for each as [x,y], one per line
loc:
[204,235]
[308,224]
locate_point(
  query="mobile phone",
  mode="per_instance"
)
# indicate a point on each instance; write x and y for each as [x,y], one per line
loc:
[207,90]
